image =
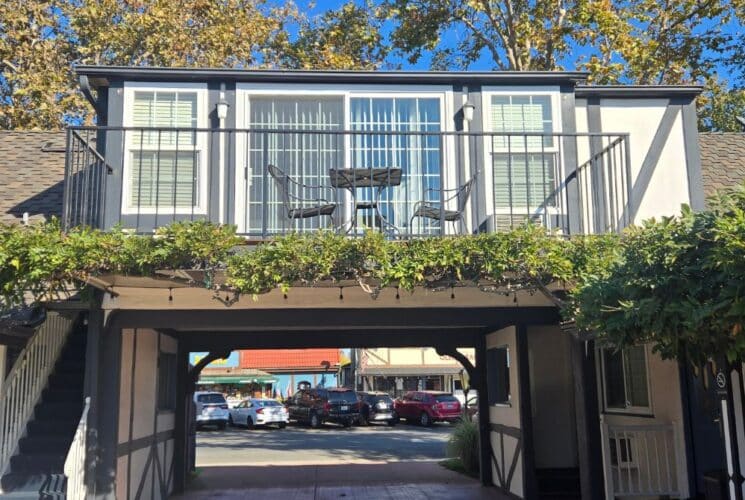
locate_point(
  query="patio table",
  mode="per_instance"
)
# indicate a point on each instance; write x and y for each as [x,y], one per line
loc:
[376,179]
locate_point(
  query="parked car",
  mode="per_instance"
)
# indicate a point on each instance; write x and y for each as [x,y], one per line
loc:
[376,407]
[211,409]
[427,407]
[316,406]
[255,411]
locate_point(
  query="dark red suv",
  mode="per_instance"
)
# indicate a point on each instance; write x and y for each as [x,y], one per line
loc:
[427,407]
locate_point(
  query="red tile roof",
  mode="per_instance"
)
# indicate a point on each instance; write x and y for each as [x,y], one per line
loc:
[289,359]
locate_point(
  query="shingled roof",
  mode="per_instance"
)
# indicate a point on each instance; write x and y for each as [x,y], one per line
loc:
[722,160]
[32,171]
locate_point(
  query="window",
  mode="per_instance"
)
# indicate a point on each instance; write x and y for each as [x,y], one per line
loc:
[164,167]
[625,379]
[498,375]
[167,382]
[418,156]
[524,167]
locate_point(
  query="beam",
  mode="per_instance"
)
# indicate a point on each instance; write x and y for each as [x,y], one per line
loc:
[330,318]
[207,341]
[530,489]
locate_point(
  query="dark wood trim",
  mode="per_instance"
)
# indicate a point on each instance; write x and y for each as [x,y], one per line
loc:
[107,431]
[530,488]
[481,381]
[587,418]
[514,432]
[183,397]
[90,384]
[133,378]
[129,447]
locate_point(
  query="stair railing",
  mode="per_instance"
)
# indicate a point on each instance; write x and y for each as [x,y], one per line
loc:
[23,386]
[75,460]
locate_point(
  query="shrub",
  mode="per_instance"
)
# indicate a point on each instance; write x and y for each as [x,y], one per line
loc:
[464,445]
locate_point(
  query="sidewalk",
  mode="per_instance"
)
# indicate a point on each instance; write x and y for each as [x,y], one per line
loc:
[394,481]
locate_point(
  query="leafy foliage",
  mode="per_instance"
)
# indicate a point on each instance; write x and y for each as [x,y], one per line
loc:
[677,283]
[464,445]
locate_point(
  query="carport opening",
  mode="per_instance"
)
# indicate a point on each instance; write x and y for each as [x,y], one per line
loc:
[367,416]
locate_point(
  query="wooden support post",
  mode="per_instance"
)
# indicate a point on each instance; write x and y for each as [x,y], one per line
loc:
[107,429]
[479,381]
[184,396]
[530,481]
[587,418]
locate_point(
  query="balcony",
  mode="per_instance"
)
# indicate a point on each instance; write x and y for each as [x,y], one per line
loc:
[270,182]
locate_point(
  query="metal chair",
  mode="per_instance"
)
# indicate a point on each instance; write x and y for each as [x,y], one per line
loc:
[295,206]
[436,210]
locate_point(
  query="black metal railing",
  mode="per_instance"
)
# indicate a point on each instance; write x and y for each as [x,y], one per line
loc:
[406,183]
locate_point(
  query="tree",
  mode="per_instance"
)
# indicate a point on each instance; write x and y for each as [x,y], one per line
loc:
[347,38]
[515,34]
[678,283]
[36,83]
[719,108]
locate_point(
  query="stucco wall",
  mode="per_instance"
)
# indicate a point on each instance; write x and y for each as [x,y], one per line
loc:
[146,441]
[505,421]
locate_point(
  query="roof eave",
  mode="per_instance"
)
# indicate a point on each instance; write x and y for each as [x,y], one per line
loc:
[103,75]
[621,91]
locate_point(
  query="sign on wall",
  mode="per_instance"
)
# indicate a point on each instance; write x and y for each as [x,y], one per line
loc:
[230,362]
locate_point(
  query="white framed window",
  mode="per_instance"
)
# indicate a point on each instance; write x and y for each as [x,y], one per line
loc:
[165,171]
[625,379]
[524,169]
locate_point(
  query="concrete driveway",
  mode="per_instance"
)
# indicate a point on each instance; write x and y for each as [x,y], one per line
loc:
[377,462]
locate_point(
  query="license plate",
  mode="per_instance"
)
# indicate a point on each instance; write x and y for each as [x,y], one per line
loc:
[383,406]
[450,407]
[344,408]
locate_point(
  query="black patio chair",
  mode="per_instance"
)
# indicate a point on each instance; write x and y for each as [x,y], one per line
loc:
[297,207]
[434,210]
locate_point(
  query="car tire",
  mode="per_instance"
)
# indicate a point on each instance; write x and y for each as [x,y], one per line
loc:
[221,426]
[392,423]
[315,421]
[347,423]
[249,423]
[282,425]
[425,420]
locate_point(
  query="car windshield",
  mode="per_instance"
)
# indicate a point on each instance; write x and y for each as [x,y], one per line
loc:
[344,396]
[211,399]
[446,398]
[267,403]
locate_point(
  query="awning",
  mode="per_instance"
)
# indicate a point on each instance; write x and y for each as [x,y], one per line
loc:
[235,379]
[410,371]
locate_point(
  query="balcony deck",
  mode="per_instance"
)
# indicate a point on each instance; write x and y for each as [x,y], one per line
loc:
[407,184]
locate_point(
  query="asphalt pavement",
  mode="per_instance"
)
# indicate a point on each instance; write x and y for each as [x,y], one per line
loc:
[378,462]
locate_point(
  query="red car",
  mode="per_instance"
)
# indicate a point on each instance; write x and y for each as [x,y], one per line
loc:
[427,407]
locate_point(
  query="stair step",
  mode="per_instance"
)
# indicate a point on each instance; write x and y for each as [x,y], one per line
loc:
[62,395]
[44,444]
[35,486]
[38,428]
[38,463]
[65,410]
[66,380]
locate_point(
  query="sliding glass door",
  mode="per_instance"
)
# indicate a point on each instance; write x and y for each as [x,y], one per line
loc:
[298,135]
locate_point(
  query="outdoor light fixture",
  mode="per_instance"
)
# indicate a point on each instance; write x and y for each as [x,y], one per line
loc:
[468,108]
[222,109]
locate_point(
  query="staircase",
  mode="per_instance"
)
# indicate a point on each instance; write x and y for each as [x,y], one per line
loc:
[36,470]
[558,484]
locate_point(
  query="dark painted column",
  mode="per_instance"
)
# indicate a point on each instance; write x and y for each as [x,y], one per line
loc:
[181,431]
[480,383]
[107,395]
[93,348]
[587,418]
[530,489]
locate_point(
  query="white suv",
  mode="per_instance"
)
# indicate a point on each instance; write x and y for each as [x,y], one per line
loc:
[212,409]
